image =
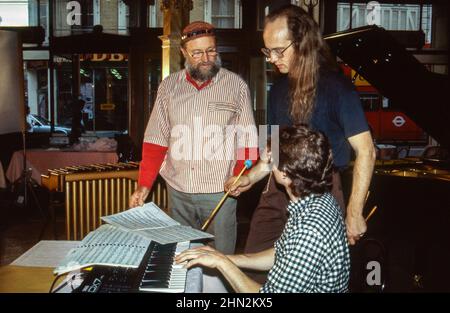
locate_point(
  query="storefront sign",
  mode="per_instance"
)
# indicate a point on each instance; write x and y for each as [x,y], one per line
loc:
[99,57]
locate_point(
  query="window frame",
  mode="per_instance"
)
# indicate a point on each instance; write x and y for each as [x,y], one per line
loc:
[237,13]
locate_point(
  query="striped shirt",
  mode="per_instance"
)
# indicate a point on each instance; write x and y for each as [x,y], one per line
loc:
[201,129]
[312,254]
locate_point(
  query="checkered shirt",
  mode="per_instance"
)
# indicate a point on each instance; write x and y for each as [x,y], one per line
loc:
[312,254]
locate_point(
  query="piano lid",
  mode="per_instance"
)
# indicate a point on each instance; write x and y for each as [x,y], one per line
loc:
[374,54]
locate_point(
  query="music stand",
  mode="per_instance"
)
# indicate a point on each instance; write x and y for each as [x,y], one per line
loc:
[25,179]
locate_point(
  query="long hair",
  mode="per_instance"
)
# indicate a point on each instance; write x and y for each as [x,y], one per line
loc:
[305,156]
[311,52]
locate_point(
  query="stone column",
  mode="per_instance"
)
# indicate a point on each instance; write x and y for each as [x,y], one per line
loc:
[176,17]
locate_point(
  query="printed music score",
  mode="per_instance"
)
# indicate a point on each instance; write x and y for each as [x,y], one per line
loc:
[107,245]
[151,222]
[125,239]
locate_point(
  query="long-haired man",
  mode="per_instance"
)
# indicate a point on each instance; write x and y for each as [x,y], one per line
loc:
[311,91]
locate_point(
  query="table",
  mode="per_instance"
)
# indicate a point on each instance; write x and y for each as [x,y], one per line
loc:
[32,272]
[18,279]
[40,160]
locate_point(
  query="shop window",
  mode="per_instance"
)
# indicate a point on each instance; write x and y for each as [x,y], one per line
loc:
[103,89]
[155,15]
[389,16]
[223,13]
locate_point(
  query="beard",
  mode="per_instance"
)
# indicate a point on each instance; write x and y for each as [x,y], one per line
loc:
[203,75]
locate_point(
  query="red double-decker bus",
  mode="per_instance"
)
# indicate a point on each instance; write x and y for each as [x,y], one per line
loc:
[387,125]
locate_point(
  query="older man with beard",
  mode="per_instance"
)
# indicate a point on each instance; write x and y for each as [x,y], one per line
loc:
[192,137]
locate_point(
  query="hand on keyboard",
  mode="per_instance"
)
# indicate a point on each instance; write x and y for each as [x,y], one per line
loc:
[205,256]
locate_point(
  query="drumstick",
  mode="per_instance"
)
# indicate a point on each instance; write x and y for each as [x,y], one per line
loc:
[371,212]
[247,165]
[367,196]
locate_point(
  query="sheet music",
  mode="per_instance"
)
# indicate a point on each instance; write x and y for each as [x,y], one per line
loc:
[125,239]
[46,253]
[108,245]
[143,217]
[153,223]
[172,234]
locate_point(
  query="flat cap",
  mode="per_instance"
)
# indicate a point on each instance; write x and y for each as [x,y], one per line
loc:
[197,29]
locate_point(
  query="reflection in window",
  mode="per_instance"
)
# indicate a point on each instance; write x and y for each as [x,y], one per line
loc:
[391,17]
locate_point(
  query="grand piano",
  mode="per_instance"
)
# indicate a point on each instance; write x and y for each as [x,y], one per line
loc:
[409,235]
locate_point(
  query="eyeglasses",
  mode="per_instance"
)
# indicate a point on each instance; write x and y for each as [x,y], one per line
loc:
[278,52]
[197,54]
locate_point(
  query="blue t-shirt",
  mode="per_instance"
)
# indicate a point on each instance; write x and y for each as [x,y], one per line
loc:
[337,113]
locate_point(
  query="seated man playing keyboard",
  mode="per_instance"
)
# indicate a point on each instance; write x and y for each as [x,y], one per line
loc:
[312,253]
